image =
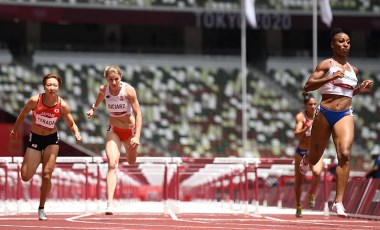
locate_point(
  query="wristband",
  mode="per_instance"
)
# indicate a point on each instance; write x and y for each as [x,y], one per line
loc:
[93,107]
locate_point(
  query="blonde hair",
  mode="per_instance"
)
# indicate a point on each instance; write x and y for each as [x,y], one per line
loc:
[112,68]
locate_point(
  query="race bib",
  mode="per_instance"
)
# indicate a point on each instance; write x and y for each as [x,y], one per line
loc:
[47,122]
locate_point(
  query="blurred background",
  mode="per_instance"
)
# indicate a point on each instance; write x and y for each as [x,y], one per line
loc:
[184,59]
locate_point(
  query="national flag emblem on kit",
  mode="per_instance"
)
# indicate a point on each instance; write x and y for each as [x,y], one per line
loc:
[34,145]
[56,110]
[121,98]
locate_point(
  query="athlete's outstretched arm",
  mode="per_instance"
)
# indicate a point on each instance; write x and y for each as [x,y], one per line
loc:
[99,99]
[31,104]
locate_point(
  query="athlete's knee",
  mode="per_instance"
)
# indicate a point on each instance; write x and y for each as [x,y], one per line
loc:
[25,174]
[25,177]
[46,177]
[113,166]
[344,157]
[317,169]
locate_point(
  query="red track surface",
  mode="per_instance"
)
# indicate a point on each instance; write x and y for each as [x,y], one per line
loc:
[182,221]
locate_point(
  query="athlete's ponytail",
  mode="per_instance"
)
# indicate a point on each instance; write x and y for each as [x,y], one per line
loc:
[307,96]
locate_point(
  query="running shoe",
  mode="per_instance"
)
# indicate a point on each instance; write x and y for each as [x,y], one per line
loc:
[299,211]
[339,209]
[41,214]
[311,200]
[109,210]
[303,167]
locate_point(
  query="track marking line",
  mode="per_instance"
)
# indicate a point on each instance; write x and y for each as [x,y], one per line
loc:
[172,214]
[274,219]
[72,219]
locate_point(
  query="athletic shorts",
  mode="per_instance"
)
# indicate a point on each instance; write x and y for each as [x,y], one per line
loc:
[301,152]
[333,116]
[39,142]
[123,134]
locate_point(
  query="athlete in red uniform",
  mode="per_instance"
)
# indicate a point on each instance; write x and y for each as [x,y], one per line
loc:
[43,139]
[302,131]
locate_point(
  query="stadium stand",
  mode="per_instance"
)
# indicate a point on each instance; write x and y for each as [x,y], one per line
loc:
[203,96]
[340,5]
[189,111]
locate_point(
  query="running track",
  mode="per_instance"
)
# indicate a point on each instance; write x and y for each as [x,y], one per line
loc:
[188,216]
[152,221]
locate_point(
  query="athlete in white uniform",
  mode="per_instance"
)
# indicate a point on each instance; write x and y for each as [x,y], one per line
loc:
[119,106]
[338,82]
[124,126]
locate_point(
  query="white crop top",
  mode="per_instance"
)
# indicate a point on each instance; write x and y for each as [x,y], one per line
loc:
[118,106]
[343,86]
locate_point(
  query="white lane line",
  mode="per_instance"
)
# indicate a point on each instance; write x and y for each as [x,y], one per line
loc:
[72,219]
[172,214]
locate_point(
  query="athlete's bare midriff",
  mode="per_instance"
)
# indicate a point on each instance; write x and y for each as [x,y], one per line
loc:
[42,131]
[124,122]
[304,142]
[336,102]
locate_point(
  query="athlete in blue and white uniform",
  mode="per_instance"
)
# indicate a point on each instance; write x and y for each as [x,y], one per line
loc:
[338,83]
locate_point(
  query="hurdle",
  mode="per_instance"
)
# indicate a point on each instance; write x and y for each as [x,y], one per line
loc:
[231,183]
[83,178]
